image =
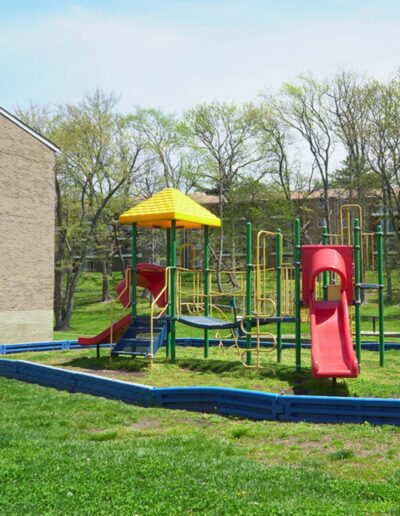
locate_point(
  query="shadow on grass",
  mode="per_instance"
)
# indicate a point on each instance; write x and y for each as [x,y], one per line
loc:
[104,364]
[299,383]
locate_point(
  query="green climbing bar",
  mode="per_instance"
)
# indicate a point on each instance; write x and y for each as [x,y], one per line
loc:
[173,291]
[133,272]
[325,274]
[381,298]
[206,288]
[279,293]
[297,272]
[168,346]
[249,267]
[357,280]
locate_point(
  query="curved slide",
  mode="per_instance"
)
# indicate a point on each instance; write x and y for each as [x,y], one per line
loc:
[149,276]
[332,350]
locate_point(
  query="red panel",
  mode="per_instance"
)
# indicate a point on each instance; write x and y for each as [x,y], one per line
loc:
[149,276]
[316,259]
[332,351]
[103,337]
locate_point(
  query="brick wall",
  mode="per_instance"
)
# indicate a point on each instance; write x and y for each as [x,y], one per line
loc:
[27,201]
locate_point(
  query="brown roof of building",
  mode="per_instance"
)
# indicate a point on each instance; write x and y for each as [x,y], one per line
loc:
[203,198]
[333,193]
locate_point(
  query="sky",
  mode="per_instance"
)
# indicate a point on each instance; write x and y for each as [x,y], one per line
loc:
[174,54]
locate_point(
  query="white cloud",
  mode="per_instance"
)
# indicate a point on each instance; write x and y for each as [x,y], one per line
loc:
[172,65]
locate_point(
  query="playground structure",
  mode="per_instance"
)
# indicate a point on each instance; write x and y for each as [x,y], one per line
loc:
[326,278]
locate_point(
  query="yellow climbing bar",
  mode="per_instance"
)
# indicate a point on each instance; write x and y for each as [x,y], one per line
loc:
[162,208]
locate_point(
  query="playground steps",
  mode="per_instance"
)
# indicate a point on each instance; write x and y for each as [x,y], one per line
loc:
[136,339]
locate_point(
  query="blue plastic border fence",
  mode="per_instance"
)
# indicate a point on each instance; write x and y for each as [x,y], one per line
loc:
[218,400]
[60,345]
[57,345]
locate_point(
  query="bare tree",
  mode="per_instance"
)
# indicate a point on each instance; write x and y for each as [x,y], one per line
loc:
[97,160]
[350,118]
[168,155]
[221,134]
[305,107]
[384,158]
[275,140]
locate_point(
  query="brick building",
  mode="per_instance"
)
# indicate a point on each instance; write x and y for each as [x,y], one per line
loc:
[27,202]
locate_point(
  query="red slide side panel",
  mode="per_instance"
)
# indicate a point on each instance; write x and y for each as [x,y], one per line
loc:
[316,259]
[332,351]
[119,328]
[149,276]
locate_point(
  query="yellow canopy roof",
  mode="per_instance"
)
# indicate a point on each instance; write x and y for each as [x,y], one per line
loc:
[162,208]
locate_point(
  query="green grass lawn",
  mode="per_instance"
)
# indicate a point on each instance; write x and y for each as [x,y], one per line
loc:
[64,453]
[223,368]
[91,316]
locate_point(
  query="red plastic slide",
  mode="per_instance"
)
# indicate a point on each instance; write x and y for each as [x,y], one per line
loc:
[332,351]
[149,276]
[103,337]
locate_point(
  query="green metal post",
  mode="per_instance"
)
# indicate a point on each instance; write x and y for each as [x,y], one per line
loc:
[173,291]
[168,347]
[380,298]
[297,271]
[325,274]
[133,271]
[249,268]
[206,288]
[279,293]
[357,279]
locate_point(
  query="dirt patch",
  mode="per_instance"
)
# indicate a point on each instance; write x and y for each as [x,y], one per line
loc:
[114,373]
[362,448]
[305,444]
[145,424]
[191,421]
[94,430]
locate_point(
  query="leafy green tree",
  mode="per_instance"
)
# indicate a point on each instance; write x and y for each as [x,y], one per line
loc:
[275,140]
[96,161]
[170,162]
[384,159]
[221,135]
[305,107]
[350,120]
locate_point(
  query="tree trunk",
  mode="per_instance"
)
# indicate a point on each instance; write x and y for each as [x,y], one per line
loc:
[232,277]
[326,207]
[387,260]
[59,261]
[119,248]
[389,288]
[72,280]
[58,292]
[106,272]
